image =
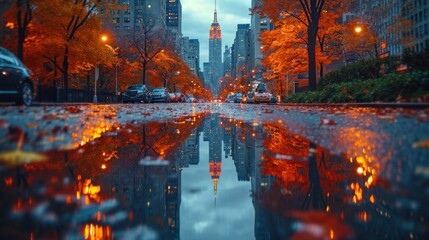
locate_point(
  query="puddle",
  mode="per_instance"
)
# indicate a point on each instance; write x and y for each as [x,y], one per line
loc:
[212,177]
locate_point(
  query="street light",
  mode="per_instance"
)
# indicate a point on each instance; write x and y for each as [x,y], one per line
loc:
[114,52]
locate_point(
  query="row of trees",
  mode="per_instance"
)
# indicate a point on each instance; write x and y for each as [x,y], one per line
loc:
[61,42]
[309,35]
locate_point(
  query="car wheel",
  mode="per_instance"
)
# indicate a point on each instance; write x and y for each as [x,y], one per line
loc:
[25,95]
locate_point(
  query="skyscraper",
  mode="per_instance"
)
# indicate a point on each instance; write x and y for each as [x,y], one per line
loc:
[131,15]
[215,55]
[174,22]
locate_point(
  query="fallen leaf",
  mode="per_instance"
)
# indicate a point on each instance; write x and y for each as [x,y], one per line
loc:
[421,144]
[18,157]
[325,121]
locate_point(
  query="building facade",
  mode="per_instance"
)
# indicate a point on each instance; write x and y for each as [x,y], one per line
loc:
[258,24]
[174,23]
[134,15]
[241,51]
[227,62]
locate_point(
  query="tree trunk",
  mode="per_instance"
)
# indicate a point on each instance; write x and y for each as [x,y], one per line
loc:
[144,72]
[66,68]
[312,33]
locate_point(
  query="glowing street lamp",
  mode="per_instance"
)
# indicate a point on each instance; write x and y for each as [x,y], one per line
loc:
[358,29]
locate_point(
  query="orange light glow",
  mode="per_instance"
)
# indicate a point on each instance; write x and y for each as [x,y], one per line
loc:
[358,29]
[372,199]
[360,170]
[104,38]
[8,181]
[93,231]
[10,25]
[103,166]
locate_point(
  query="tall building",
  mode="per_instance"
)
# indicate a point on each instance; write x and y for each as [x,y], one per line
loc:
[206,73]
[418,13]
[384,15]
[193,58]
[241,51]
[132,15]
[174,22]
[215,55]
[258,24]
[227,62]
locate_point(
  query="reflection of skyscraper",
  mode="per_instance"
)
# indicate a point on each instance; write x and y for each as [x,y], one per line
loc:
[215,149]
[215,54]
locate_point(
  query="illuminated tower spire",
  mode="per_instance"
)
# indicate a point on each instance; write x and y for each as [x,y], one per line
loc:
[215,54]
[215,169]
[215,14]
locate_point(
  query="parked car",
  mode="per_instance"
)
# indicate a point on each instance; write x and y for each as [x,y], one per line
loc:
[180,97]
[273,98]
[16,83]
[249,98]
[261,94]
[190,99]
[136,93]
[230,98]
[173,97]
[238,97]
[160,95]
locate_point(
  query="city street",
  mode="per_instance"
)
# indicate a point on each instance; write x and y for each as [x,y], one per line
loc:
[213,170]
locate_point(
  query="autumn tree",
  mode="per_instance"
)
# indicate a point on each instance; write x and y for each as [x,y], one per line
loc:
[170,68]
[286,57]
[308,12]
[379,24]
[148,43]
[22,11]
[72,17]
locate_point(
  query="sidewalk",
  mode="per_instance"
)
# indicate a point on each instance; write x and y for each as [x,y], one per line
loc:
[414,105]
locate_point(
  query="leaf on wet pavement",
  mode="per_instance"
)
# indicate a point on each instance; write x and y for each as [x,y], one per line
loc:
[3,123]
[390,118]
[73,109]
[423,171]
[18,157]
[325,121]
[421,144]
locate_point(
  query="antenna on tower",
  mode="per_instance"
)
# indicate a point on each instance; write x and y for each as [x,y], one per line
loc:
[215,14]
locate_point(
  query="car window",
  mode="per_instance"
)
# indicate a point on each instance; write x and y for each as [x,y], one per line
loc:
[261,88]
[135,87]
[7,58]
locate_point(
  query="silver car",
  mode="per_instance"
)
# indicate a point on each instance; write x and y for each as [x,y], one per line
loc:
[160,95]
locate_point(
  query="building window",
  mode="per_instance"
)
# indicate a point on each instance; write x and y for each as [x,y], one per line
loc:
[127,11]
[117,28]
[137,29]
[115,20]
[127,19]
[127,29]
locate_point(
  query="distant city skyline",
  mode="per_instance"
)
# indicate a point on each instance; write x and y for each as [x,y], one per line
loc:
[197,17]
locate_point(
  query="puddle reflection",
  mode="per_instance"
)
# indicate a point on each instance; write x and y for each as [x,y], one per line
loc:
[206,177]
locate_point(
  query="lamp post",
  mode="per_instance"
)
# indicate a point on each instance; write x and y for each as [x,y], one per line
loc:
[97,73]
[114,52]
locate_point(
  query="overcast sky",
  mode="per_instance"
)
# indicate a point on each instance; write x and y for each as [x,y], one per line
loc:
[197,16]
